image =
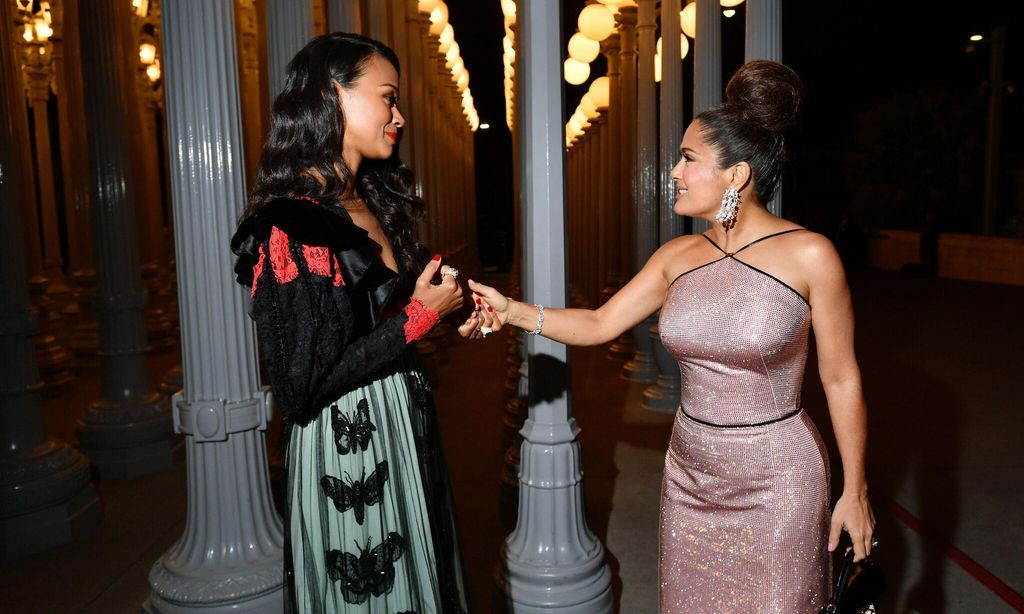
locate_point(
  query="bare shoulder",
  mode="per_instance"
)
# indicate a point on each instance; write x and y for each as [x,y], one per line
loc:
[814,250]
[820,265]
[680,255]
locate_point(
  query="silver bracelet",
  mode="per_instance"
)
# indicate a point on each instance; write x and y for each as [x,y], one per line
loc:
[540,321]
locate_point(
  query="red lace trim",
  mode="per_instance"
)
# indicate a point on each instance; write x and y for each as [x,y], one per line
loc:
[420,321]
[257,269]
[281,262]
[338,280]
[318,260]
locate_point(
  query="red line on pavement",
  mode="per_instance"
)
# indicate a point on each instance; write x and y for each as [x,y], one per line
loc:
[986,577]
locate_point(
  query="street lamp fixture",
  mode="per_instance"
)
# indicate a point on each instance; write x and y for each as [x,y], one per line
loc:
[688,20]
[576,72]
[596,22]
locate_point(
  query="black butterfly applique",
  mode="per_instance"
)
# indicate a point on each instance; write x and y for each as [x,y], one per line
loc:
[373,571]
[351,433]
[358,494]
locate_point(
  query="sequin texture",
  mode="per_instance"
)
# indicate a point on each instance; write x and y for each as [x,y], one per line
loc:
[744,510]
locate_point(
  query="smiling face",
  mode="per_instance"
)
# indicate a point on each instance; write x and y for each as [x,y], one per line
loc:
[372,119]
[699,183]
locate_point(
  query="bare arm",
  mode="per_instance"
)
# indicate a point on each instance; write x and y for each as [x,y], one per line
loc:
[832,321]
[642,296]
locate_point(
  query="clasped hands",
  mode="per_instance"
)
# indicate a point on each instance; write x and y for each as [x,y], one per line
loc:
[490,307]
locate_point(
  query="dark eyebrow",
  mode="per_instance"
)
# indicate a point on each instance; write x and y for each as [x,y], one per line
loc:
[391,85]
[683,150]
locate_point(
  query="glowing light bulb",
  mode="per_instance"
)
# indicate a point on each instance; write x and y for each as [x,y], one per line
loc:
[147,53]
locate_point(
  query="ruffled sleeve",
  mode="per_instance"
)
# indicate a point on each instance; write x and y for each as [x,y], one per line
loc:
[318,297]
[307,328]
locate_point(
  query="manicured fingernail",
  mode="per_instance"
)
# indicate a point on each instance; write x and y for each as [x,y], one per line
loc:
[437,256]
[831,547]
[489,308]
[477,301]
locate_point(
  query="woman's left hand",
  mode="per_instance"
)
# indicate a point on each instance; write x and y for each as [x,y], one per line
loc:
[484,320]
[481,323]
[853,513]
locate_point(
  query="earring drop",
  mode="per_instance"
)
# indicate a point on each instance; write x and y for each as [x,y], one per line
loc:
[729,209]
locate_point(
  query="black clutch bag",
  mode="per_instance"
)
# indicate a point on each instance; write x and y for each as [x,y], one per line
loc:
[858,588]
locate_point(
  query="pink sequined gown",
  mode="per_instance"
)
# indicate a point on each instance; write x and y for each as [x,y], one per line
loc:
[744,509]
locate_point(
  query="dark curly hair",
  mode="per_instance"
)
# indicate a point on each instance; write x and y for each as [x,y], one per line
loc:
[307,128]
[761,101]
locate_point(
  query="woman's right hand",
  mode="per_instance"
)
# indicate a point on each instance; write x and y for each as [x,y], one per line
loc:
[500,305]
[444,298]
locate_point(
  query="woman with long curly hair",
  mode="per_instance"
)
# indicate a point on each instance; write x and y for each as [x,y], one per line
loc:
[745,523]
[341,291]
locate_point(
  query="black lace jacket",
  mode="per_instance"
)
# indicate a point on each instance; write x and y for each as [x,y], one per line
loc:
[320,296]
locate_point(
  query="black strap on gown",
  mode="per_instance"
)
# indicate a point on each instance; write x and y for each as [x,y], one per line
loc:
[731,254]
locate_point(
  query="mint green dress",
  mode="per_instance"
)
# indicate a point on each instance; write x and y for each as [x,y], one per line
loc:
[358,491]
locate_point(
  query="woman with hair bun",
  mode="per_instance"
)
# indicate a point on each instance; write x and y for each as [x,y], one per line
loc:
[745,524]
[340,293]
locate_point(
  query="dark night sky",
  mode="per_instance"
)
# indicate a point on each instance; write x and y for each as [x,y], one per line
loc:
[850,55]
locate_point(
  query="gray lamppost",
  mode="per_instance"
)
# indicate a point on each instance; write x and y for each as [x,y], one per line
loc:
[553,562]
[230,558]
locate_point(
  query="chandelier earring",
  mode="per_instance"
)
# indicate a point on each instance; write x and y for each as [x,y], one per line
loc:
[730,208]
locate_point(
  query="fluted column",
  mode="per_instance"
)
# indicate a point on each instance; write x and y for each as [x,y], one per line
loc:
[230,558]
[646,167]
[127,432]
[764,42]
[49,292]
[39,73]
[377,18]
[39,95]
[612,201]
[46,497]
[343,16]
[419,120]
[440,197]
[663,395]
[402,30]
[83,329]
[289,28]
[149,197]
[707,59]
[627,20]
[553,562]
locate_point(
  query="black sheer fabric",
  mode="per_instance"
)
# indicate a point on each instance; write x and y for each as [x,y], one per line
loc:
[437,489]
[319,340]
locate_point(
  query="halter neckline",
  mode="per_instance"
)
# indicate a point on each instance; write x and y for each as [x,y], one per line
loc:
[731,254]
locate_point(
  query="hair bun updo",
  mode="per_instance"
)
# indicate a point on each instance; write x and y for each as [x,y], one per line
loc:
[761,101]
[765,93]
